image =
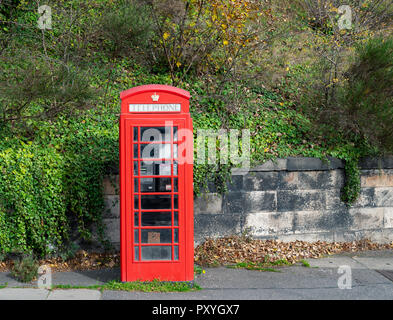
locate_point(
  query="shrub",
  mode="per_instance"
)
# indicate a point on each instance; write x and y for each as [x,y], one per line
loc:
[25,270]
[126,29]
[367,98]
[32,202]
[208,36]
[363,106]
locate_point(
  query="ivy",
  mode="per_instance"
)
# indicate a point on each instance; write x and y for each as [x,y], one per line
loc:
[351,189]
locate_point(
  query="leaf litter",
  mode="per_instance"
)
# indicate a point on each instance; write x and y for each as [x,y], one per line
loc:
[239,249]
[222,251]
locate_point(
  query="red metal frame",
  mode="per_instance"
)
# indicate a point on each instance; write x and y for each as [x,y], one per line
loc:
[133,269]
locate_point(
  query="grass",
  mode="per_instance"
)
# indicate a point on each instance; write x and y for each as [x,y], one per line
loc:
[305,263]
[151,286]
[2,286]
[144,286]
[198,270]
[68,286]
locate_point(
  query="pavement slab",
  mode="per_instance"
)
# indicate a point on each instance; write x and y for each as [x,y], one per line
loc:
[23,294]
[336,262]
[74,294]
[376,264]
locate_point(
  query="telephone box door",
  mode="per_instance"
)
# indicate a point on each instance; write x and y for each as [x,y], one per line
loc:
[156,222]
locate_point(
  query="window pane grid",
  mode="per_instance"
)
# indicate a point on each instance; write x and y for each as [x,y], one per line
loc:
[174,227]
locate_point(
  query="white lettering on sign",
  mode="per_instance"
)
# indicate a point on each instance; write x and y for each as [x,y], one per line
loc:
[145,107]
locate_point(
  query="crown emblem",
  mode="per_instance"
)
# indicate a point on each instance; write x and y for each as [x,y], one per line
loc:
[155,97]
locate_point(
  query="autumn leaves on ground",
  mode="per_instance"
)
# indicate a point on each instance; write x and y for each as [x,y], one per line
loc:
[223,251]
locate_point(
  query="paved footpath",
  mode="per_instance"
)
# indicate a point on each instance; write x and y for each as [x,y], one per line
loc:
[365,275]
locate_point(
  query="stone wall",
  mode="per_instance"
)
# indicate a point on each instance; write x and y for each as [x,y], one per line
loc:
[290,199]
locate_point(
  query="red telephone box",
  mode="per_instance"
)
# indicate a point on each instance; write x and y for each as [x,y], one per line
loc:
[156,184]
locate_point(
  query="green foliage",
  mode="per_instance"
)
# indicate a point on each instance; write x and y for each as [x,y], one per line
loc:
[253,266]
[25,270]
[146,286]
[151,286]
[351,189]
[198,270]
[32,210]
[35,87]
[127,30]
[59,100]
[305,263]
[367,97]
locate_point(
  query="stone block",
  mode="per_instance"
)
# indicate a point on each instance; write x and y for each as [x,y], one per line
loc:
[269,223]
[377,178]
[257,201]
[111,185]
[236,184]
[333,200]
[388,217]
[376,163]
[383,197]
[261,181]
[111,206]
[366,218]
[308,237]
[312,164]
[310,180]
[216,225]
[208,203]
[378,235]
[271,165]
[112,229]
[366,198]
[233,202]
[300,200]
[320,221]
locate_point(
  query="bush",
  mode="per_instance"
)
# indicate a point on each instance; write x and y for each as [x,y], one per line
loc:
[32,200]
[25,270]
[363,104]
[126,30]
[367,98]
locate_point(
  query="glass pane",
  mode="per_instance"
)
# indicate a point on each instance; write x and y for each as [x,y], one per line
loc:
[175,151]
[136,236]
[147,185]
[176,236]
[156,219]
[135,168]
[175,168]
[135,151]
[175,203]
[136,218]
[175,187]
[176,253]
[136,255]
[156,253]
[155,168]
[156,185]
[156,235]
[155,151]
[176,218]
[174,133]
[136,202]
[136,185]
[155,134]
[156,202]
[135,133]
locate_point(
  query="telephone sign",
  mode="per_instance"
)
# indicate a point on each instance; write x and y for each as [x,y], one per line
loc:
[156,184]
